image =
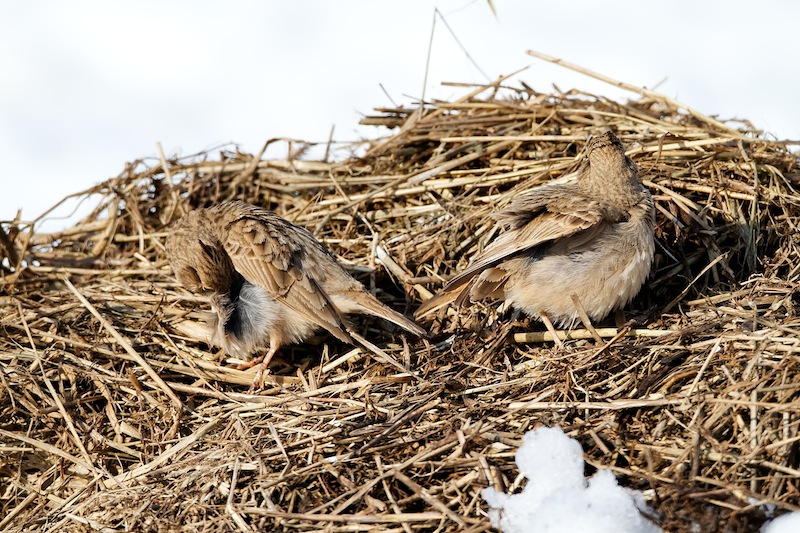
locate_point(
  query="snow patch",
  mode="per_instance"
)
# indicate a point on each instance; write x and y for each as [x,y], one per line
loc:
[788,523]
[557,497]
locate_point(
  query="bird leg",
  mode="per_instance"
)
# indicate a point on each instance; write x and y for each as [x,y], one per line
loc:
[587,323]
[250,364]
[258,380]
[549,325]
[619,318]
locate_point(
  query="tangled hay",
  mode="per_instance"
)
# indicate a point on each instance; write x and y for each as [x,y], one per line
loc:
[116,415]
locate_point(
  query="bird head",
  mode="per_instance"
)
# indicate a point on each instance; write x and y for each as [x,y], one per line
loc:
[608,167]
[197,256]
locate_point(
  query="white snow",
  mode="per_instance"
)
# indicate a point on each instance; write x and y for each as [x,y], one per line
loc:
[788,523]
[557,497]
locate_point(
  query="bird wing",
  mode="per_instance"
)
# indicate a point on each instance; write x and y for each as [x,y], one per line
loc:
[560,220]
[543,218]
[289,263]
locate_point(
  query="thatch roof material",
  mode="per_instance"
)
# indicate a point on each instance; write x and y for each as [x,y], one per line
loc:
[115,415]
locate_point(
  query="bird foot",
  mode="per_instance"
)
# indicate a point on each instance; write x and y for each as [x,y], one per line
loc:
[258,381]
[263,368]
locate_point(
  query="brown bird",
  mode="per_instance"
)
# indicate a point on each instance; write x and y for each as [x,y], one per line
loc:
[592,238]
[269,281]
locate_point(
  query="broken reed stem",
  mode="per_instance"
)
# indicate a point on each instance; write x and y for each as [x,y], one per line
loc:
[633,88]
[578,334]
[127,347]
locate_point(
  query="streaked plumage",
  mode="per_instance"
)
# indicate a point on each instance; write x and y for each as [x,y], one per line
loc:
[270,282]
[592,237]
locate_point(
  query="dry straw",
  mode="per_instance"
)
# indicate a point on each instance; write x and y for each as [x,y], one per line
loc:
[115,414]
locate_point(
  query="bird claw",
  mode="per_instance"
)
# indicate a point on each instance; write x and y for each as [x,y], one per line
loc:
[263,368]
[258,381]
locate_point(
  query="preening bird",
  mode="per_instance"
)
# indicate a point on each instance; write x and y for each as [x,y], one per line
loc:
[269,281]
[592,237]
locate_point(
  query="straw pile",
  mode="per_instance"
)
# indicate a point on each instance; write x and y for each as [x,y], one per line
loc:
[116,415]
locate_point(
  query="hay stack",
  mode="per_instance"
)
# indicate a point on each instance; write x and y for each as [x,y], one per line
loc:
[114,414]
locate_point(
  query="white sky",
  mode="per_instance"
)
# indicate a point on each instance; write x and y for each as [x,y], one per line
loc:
[89,85]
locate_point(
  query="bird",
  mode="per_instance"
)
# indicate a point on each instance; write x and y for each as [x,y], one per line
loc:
[592,238]
[268,280]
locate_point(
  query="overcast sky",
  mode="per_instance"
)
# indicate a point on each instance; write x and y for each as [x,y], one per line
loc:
[89,85]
